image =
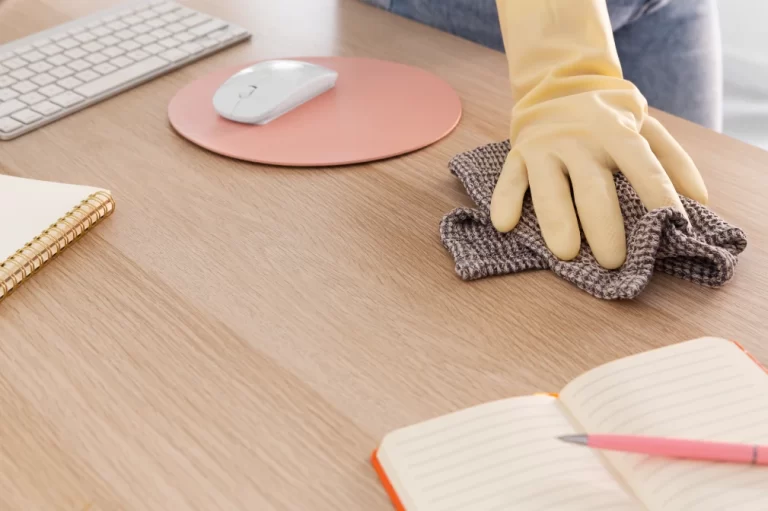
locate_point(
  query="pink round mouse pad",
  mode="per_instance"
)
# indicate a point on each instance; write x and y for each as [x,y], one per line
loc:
[378,109]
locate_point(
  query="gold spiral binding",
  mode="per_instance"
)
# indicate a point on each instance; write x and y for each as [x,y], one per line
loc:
[50,243]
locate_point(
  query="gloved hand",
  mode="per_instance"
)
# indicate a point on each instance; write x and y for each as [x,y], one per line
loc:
[576,117]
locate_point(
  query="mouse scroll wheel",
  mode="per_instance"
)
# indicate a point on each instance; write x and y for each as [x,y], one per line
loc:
[247,92]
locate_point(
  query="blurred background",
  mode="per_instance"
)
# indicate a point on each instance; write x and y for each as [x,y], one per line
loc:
[745,47]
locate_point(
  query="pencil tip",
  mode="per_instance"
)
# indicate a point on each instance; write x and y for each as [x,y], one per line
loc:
[574,439]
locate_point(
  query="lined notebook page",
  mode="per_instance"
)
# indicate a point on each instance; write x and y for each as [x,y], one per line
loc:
[499,456]
[703,389]
[28,207]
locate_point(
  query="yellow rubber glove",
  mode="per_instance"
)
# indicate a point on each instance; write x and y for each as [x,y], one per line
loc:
[576,117]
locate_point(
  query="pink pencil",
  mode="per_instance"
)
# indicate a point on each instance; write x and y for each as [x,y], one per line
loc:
[675,448]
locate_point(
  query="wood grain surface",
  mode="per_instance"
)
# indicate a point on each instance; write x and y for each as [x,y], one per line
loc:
[239,336]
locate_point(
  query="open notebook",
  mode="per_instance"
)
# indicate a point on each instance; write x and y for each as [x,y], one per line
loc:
[504,455]
[39,219]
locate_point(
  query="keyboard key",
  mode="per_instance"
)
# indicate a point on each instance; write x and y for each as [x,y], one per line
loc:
[164,8]
[141,28]
[62,72]
[147,15]
[170,17]
[6,81]
[96,58]
[26,116]
[109,18]
[129,45]
[101,31]
[40,67]
[185,37]
[131,20]
[185,12]
[93,24]
[79,65]
[93,46]
[5,56]
[89,75]
[113,51]
[59,36]
[51,90]
[41,42]
[15,63]
[108,82]
[76,30]
[43,79]
[207,28]
[11,106]
[66,99]
[33,56]
[109,40]
[58,60]
[3,70]
[191,48]
[76,53]
[195,20]
[122,62]
[170,42]
[145,39]
[51,49]
[237,31]
[6,94]
[221,35]
[175,28]
[160,33]
[125,34]
[105,68]
[70,83]
[174,55]
[154,49]
[22,74]
[85,37]
[117,25]
[32,98]
[24,87]
[22,49]
[68,43]
[8,125]
[207,43]
[46,108]
[157,22]
[137,55]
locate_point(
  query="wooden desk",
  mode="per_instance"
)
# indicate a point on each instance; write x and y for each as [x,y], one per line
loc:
[241,337]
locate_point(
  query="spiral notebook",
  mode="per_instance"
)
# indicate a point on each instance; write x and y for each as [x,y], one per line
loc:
[38,220]
[504,455]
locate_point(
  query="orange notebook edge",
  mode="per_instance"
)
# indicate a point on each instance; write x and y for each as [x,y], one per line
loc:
[750,355]
[386,483]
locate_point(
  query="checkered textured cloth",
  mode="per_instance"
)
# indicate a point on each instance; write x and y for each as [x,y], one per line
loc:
[704,252]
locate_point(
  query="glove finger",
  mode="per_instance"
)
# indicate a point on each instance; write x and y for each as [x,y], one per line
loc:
[678,164]
[597,203]
[508,195]
[633,156]
[551,193]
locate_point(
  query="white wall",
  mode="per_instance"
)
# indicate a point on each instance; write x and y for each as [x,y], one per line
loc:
[745,41]
[745,53]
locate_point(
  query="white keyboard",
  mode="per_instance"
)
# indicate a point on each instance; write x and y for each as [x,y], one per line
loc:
[51,74]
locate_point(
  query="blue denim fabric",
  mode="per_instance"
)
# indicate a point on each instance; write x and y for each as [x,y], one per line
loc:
[670,49]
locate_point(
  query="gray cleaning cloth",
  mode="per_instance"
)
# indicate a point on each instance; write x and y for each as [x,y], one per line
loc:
[704,252]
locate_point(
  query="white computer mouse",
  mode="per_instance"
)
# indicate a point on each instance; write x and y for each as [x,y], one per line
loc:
[267,90]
